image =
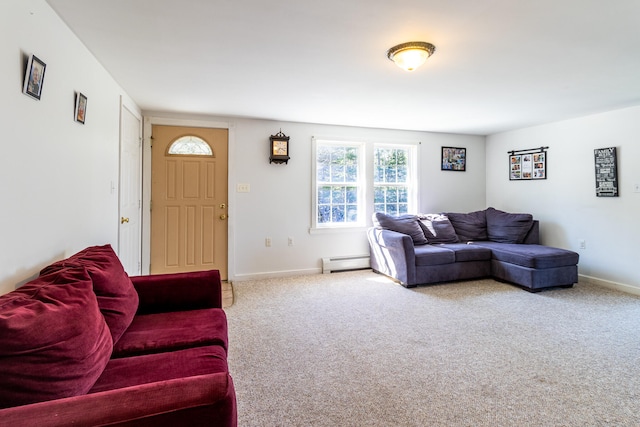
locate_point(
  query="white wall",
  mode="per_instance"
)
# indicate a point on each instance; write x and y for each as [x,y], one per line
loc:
[566,203]
[56,176]
[279,204]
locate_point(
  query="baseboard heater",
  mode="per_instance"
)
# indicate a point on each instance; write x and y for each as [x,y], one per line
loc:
[345,263]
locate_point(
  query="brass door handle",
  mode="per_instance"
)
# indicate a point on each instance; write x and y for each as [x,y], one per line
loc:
[123,220]
[223,216]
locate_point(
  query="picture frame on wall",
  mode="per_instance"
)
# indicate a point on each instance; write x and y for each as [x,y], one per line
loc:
[606,162]
[81,108]
[525,166]
[453,159]
[34,77]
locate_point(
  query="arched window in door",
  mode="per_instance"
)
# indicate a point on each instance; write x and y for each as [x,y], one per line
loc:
[190,145]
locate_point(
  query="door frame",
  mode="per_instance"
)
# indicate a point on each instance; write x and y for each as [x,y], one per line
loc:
[149,121]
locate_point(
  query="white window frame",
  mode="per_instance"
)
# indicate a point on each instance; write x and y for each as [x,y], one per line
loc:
[365,180]
[412,173]
[361,184]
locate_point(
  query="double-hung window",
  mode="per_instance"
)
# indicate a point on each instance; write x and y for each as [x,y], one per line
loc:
[392,185]
[354,179]
[339,184]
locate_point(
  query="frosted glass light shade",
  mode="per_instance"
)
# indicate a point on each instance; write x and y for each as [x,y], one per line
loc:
[411,55]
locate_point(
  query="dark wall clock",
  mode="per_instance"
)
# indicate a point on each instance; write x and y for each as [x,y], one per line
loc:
[279,148]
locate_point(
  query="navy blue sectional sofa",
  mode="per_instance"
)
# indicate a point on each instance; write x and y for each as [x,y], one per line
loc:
[426,249]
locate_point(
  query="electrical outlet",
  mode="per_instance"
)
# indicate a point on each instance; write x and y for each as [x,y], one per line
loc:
[290,241]
[583,244]
[243,188]
[267,242]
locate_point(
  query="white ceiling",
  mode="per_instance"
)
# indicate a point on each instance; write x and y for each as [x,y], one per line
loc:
[498,65]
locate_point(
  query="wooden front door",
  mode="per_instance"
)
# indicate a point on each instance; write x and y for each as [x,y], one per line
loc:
[188,199]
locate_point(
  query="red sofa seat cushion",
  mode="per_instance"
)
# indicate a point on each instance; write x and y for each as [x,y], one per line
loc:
[150,368]
[117,298]
[155,333]
[54,342]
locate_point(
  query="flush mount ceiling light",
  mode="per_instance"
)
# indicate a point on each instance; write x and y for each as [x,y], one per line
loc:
[410,55]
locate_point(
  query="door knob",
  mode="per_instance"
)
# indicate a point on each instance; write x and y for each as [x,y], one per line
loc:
[223,216]
[123,220]
[222,206]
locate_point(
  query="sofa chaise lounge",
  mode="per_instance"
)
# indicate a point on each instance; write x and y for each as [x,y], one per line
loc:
[426,249]
[84,344]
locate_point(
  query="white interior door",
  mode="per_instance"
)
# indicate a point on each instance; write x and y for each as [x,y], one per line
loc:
[129,236]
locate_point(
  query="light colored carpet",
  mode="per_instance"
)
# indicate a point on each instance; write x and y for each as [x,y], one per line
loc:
[355,349]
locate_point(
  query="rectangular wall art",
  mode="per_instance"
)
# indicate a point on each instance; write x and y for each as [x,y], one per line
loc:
[34,77]
[81,108]
[528,164]
[606,172]
[454,159]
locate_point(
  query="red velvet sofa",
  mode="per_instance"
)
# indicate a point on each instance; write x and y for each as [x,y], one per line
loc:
[84,344]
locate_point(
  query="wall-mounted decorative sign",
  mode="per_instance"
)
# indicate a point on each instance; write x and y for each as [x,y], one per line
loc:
[528,164]
[453,159]
[279,148]
[81,108]
[34,77]
[606,172]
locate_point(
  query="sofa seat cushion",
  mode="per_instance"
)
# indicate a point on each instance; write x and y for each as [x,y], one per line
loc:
[117,298]
[138,370]
[531,256]
[434,255]
[54,342]
[464,252]
[160,332]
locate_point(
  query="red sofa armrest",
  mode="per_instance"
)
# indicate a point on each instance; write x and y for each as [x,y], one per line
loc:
[160,293]
[199,400]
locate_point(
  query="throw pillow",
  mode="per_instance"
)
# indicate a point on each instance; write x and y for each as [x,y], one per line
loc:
[504,227]
[469,226]
[55,343]
[438,229]
[117,298]
[405,224]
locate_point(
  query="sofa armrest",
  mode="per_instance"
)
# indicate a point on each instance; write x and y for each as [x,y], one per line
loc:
[203,399]
[160,293]
[393,254]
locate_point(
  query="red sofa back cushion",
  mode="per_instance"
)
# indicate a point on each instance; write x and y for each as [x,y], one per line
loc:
[54,341]
[117,298]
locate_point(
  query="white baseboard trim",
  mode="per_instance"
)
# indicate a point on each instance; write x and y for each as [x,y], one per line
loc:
[611,285]
[275,274]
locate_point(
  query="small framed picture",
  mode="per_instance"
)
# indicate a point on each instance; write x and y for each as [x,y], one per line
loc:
[81,108]
[454,159]
[34,77]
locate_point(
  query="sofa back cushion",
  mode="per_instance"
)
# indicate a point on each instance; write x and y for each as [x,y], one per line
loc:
[405,224]
[437,229]
[117,298]
[506,227]
[469,226]
[54,341]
